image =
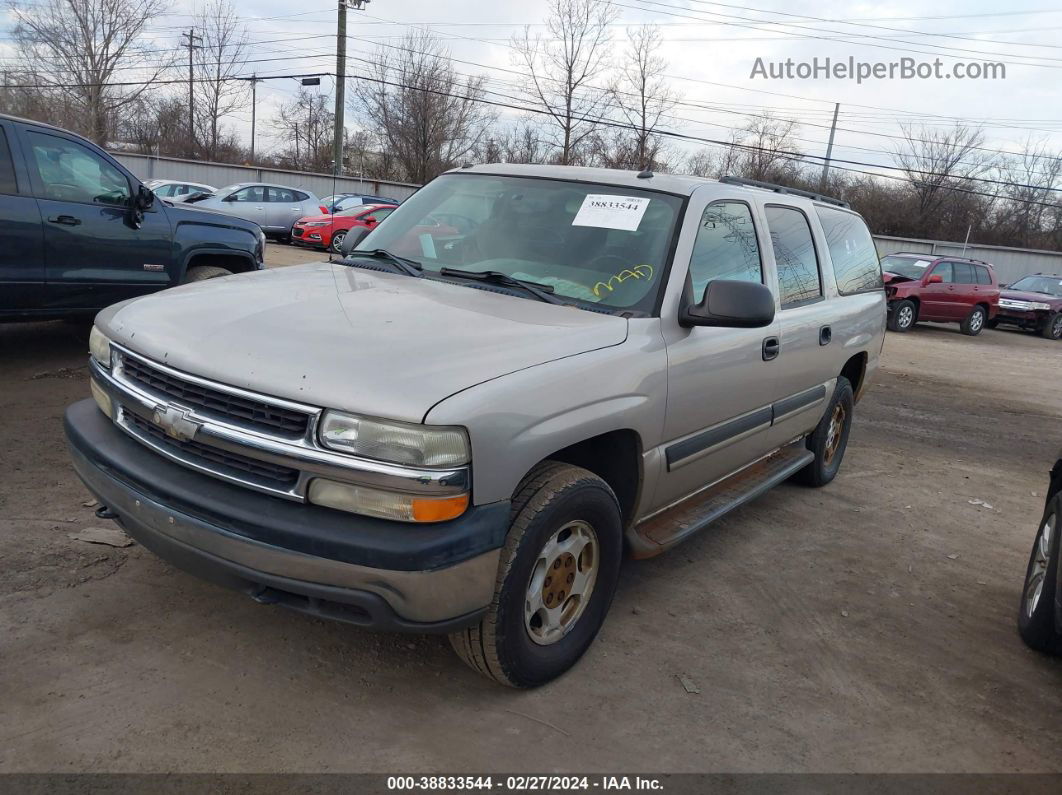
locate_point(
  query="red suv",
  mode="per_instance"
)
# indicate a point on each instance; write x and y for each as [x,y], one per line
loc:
[941,290]
[324,231]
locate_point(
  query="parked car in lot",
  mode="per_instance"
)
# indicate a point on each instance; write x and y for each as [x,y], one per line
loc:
[1040,612]
[464,441]
[939,289]
[176,191]
[275,208]
[81,232]
[328,231]
[348,201]
[1033,303]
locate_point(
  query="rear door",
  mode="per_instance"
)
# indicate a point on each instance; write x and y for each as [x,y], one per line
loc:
[937,299]
[93,255]
[283,208]
[967,291]
[22,252]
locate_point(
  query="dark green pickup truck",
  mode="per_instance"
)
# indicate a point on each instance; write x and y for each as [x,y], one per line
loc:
[79,232]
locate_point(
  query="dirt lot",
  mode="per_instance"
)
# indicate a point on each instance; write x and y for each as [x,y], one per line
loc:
[868,626]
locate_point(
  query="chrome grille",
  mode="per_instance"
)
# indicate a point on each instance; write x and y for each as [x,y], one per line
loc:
[214,458]
[246,411]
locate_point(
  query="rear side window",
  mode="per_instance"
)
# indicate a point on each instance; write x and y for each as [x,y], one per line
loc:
[794,252]
[983,276]
[7,167]
[281,195]
[964,273]
[726,247]
[300,197]
[855,259]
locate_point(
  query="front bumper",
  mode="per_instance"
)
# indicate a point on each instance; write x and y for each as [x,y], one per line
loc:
[1030,318]
[370,572]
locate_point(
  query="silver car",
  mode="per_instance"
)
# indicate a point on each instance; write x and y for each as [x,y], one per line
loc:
[275,208]
[178,190]
[460,428]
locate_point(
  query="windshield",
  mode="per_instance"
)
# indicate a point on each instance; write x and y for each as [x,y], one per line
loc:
[596,244]
[905,266]
[1049,285]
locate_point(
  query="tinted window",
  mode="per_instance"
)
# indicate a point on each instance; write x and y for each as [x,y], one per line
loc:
[7,168]
[855,260]
[281,195]
[963,273]
[983,276]
[300,196]
[70,172]
[255,193]
[794,252]
[725,247]
[943,270]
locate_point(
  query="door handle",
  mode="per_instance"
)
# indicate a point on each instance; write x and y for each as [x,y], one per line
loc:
[65,220]
[825,335]
[771,347]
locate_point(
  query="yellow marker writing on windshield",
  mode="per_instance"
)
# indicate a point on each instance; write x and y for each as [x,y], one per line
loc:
[637,272]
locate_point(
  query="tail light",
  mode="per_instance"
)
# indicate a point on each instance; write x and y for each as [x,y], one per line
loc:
[324,210]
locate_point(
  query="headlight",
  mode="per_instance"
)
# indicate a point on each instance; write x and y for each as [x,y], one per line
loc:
[395,442]
[100,347]
[1039,305]
[316,223]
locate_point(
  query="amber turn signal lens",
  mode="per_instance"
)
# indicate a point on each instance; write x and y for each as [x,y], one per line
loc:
[439,510]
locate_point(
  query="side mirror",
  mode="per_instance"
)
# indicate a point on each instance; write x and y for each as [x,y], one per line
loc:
[935,278]
[732,304]
[145,199]
[354,236]
[230,198]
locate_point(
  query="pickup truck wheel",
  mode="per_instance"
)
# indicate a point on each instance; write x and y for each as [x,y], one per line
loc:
[1036,619]
[830,438]
[200,272]
[903,316]
[975,322]
[1052,327]
[556,579]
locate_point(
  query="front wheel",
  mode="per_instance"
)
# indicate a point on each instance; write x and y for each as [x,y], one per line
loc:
[337,242]
[1052,327]
[556,578]
[1036,615]
[975,322]
[903,316]
[829,440]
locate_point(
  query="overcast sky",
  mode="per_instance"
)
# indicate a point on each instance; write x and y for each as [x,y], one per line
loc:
[711,49]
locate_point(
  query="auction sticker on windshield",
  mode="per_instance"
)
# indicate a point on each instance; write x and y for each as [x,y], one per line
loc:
[605,211]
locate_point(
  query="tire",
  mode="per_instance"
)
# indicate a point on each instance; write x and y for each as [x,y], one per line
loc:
[904,316]
[555,501]
[1036,612]
[1052,327]
[828,444]
[975,322]
[993,323]
[337,241]
[202,272]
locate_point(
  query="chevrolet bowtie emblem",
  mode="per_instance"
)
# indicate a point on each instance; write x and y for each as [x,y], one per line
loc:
[176,422]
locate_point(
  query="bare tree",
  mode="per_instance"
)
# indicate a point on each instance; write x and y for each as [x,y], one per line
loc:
[562,66]
[221,56]
[421,110]
[1026,211]
[305,126]
[76,46]
[643,98]
[768,149]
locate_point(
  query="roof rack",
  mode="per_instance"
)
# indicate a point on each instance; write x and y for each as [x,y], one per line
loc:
[807,194]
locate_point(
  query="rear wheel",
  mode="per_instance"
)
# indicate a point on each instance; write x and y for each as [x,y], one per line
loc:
[1036,615]
[975,322]
[830,438]
[201,272]
[903,316]
[556,579]
[1052,327]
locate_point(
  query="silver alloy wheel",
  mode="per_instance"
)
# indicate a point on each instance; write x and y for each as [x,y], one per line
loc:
[561,583]
[1056,327]
[906,317]
[337,241]
[977,319]
[1034,583]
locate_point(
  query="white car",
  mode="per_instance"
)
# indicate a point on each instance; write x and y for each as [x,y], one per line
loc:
[177,191]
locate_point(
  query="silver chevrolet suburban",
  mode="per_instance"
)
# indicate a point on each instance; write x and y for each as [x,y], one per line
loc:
[460,427]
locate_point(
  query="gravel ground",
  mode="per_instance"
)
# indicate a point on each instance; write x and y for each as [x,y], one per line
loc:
[867,626]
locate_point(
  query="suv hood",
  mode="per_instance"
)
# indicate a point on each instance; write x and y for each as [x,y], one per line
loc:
[330,335]
[1019,295]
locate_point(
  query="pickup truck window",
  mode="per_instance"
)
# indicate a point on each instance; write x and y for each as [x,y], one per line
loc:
[852,252]
[726,247]
[794,252]
[70,172]
[7,167]
[601,245]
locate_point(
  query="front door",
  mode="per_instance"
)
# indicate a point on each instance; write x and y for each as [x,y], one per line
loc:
[720,387]
[93,255]
[937,299]
[248,203]
[22,252]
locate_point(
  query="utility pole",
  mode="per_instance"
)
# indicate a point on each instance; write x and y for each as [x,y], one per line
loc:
[254,109]
[341,80]
[829,149]
[192,47]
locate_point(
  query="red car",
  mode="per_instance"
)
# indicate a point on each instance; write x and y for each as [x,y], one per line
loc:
[941,290]
[328,231]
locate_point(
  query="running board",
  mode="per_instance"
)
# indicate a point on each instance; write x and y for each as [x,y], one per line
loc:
[676,524]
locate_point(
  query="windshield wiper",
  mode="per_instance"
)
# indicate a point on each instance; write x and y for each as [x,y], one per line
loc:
[543,292]
[402,265]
